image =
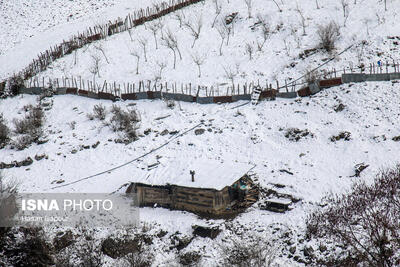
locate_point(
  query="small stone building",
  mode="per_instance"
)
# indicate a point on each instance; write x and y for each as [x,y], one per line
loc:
[217,189]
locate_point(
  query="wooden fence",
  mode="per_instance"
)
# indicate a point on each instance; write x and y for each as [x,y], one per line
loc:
[99,32]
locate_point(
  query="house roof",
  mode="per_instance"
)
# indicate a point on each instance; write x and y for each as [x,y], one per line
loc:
[208,173]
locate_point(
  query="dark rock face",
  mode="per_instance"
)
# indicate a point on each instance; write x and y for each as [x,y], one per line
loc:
[63,240]
[294,134]
[199,131]
[211,232]
[25,247]
[26,162]
[346,136]
[116,248]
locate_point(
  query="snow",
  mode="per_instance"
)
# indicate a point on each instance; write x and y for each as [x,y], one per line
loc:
[279,201]
[237,135]
[274,62]
[208,173]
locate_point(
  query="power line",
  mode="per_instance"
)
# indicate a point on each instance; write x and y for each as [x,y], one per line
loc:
[129,162]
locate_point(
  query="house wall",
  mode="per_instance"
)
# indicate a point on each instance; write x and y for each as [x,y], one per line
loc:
[182,198]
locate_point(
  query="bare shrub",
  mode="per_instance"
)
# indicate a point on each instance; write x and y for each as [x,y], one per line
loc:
[363,223]
[16,83]
[25,247]
[125,121]
[191,258]
[170,103]
[30,127]
[4,132]
[138,259]
[256,252]
[8,202]
[328,35]
[312,76]
[99,112]
[32,121]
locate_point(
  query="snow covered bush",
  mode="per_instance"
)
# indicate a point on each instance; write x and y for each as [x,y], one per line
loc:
[32,121]
[99,112]
[15,84]
[30,127]
[256,252]
[4,132]
[125,121]
[328,35]
[363,224]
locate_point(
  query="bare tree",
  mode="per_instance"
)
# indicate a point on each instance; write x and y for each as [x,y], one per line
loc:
[195,28]
[302,18]
[249,4]
[143,43]
[161,66]
[170,41]
[293,31]
[265,30]
[249,50]
[101,49]
[280,10]
[223,34]
[230,74]
[130,34]
[180,16]
[198,60]
[345,5]
[363,223]
[154,27]
[218,9]
[137,55]
[95,67]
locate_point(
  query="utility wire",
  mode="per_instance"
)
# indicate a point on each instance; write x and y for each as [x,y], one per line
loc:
[129,162]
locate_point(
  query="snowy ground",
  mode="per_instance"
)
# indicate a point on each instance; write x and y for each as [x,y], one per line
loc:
[248,134]
[233,135]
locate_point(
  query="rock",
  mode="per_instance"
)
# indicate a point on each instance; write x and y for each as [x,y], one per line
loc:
[95,145]
[292,250]
[40,157]
[63,240]
[322,248]
[211,232]
[26,162]
[199,131]
[396,138]
[116,248]
[359,168]
[147,131]
[165,132]
[341,136]
[4,165]
[295,134]
[339,107]
[162,233]
[74,151]
[180,242]
[191,258]
[308,251]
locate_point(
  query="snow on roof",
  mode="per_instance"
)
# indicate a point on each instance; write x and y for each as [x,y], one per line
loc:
[208,173]
[280,201]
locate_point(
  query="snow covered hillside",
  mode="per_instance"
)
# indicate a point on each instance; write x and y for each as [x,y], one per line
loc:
[276,40]
[301,148]
[257,136]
